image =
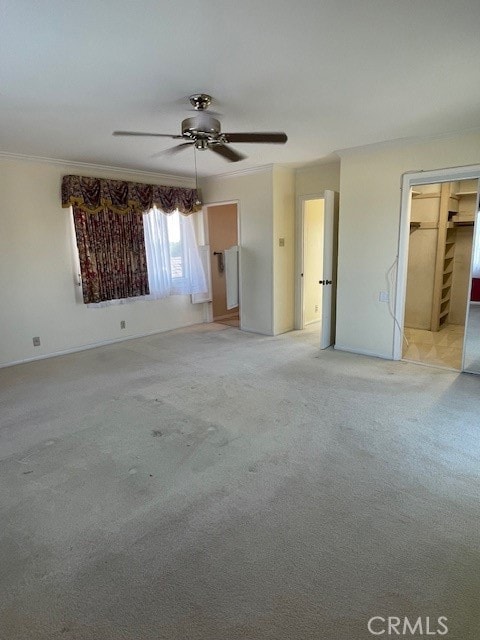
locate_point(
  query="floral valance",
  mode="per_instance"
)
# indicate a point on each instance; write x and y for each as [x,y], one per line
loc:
[94,194]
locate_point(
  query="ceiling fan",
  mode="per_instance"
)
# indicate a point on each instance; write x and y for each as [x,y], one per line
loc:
[203,131]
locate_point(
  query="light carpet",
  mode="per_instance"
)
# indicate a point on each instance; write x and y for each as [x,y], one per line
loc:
[210,484]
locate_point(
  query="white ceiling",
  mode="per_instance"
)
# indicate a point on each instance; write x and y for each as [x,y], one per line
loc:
[332,74]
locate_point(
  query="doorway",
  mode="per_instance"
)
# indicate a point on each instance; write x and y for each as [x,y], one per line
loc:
[313,214]
[222,238]
[436,247]
[317,233]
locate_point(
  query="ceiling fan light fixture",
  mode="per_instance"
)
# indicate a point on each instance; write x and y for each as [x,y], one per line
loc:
[204,132]
[203,125]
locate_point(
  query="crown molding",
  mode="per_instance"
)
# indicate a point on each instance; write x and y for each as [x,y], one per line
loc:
[239,172]
[405,142]
[99,167]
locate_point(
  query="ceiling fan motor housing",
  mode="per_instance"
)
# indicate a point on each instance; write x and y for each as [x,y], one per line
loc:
[201,126]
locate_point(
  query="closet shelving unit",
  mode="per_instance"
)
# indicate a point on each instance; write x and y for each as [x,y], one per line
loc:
[467,198]
[452,207]
[442,284]
[444,206]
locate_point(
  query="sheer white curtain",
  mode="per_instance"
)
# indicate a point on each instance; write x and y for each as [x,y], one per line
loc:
[173,259]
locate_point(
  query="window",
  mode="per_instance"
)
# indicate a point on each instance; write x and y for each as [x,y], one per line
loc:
[173,260]
[113,224]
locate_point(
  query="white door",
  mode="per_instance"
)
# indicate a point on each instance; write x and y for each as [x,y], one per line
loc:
[231,276]
[317,264]
[328,280]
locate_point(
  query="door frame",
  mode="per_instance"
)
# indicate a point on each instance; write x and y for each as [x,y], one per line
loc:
[205,205]
[300,255]
[408,181]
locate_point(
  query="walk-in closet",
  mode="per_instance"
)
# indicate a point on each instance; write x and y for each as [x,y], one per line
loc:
[439,283]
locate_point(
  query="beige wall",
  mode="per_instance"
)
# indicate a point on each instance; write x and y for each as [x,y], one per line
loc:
[283,256]
[253,191]
[267,270]
[313,260]
[368,231]
[222,234]
[315,179]
[37,270]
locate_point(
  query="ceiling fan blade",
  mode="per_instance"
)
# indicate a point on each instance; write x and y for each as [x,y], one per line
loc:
[226,152]
[142,133]
[172,150]
[272,137]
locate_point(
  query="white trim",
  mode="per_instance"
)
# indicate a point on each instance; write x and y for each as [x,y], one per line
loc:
[267,334]
[93,345]
[240,172]
[219,203]
[404,142]
[101,167]
[409,180]
[361,352]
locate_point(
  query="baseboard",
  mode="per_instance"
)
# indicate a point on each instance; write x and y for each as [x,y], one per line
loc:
[362,352]
[93,345]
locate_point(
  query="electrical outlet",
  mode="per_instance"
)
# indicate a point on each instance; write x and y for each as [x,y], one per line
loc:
[36,341]
[122,324]
[316,308]
[383,296]
[281,242]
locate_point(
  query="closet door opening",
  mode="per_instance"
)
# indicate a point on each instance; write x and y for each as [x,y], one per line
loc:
[438,287]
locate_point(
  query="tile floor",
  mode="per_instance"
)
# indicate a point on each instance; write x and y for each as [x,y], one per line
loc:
[233,321]
[441,348]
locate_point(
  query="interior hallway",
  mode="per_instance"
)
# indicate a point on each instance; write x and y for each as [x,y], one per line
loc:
[210,484]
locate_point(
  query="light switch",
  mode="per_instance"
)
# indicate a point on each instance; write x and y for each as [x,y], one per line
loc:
[383,296]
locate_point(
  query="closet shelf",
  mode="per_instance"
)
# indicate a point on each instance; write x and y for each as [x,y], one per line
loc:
[421,196]
[449,269]
[415,224]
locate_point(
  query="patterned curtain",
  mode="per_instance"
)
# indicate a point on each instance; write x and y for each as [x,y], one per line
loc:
[111,248]
[93,194]
[108,217]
